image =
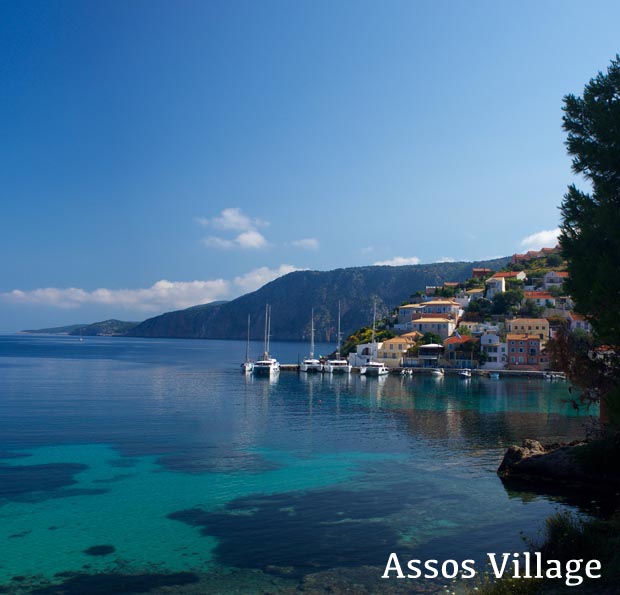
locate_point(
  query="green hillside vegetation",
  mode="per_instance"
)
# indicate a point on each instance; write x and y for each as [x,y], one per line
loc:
[110,327]
[55,330]
[294,295]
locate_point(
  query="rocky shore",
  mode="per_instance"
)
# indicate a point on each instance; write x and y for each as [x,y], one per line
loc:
[564,464]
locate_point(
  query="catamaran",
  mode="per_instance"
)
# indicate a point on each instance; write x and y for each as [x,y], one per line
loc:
[266,365]
[374,368]
[311,364]
[338,365]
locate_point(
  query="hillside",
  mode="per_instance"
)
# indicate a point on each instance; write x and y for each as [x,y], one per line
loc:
[292,297]
[55,330]
[105,327]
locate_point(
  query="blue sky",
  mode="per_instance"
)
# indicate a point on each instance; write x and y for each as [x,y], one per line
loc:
[160,154]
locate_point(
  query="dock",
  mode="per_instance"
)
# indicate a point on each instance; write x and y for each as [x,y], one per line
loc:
[452,372]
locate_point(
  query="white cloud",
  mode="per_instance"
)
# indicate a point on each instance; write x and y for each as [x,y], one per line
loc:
[248,239]
[446,259]
[259,277]
[541,239]
[215,242]
[162,295]
[251,239]
[307,243]
[368,249]
[398,261]
[232,219]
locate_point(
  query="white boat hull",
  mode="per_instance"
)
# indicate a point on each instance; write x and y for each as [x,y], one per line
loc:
[338,367]
[313,365]
[266,368]
[374,369]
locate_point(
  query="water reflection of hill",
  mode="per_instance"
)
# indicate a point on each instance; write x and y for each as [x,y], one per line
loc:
[485,413]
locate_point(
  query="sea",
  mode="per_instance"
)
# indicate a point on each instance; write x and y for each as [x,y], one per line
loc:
[155,466]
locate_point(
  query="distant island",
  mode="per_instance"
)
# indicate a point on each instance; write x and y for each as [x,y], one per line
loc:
[106,328]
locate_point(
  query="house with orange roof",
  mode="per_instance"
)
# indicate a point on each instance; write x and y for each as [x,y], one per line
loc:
[457,354]
[538,327]
[532,254]
[578,321]
[393,350]
[443,308]
[478,273]
[542,298]
[526,352]
[441,326]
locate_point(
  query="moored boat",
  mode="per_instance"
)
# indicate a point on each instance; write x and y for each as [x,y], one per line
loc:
[374,369]
[371,368]
[247,366]
[266,365]
[311,364]
[338,365]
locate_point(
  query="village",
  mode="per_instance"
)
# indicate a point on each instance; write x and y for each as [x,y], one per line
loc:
[495,320]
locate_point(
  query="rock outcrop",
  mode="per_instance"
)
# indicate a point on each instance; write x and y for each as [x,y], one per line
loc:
[557,463]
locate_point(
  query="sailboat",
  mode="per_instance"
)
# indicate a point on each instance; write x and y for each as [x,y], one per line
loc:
[311,364]
[338,365]
[248,365]
[266,365]
[374,368]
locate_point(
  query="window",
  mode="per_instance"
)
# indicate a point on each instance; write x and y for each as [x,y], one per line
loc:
[512,350]
[520,349]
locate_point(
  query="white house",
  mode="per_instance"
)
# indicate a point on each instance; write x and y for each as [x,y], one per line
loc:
[495,285]
[364,353]
[554,279]
[491,344]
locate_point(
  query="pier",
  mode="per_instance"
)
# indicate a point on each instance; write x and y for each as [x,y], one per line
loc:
[453,372]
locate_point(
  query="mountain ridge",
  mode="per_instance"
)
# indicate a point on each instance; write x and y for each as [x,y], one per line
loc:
[292,297]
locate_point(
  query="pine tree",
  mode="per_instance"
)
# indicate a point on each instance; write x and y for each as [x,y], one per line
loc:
[590,230]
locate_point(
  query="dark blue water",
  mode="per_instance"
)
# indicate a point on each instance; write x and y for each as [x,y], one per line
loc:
[129,465]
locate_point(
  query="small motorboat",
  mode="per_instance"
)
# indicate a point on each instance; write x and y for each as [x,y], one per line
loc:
[465,373]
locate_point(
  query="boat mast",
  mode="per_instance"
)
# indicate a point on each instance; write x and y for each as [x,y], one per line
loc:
[312,334]
[374,319]
[265,342]
[268,329]
[338,337]
[247,347]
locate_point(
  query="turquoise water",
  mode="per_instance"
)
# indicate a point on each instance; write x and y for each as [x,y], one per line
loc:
[133,466]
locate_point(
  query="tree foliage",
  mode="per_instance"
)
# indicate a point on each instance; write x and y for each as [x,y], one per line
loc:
[590,234]
[590,229]
[507,302]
